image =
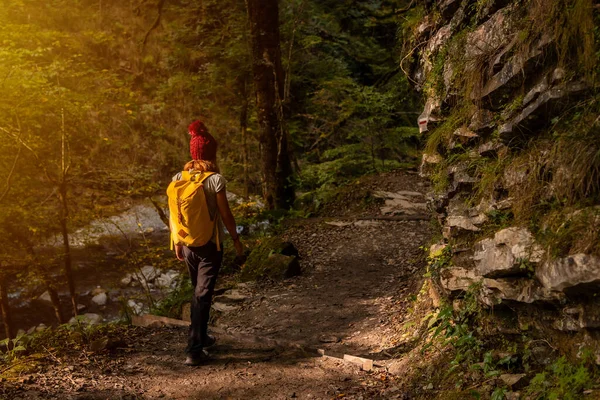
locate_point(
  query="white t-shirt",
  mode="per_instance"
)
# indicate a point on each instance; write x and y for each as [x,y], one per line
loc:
[212,185]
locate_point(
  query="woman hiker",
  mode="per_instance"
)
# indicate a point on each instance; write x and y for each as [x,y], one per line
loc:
[204,261]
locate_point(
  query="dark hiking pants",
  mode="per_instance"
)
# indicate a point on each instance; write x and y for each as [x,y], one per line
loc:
[203,265]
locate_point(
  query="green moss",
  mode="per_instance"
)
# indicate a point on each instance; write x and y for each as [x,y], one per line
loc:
[264,261]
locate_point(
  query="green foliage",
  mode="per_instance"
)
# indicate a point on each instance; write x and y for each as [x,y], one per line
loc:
[499,394]
[170,306]
[11,348]
[562,380]
[439,261]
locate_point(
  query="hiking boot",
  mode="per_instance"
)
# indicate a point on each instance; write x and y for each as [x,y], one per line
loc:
[210,341]
[196,358]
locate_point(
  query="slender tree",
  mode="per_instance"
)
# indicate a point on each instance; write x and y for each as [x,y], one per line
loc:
[269,86]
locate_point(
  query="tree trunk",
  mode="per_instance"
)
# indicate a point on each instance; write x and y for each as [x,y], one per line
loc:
[6,318]
[66,246]
[269,86]
[244,132]
[53,293]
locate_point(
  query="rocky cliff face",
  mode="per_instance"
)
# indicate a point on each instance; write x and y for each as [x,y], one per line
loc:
[513,148]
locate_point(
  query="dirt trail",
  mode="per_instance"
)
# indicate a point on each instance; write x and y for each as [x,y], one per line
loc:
[358,279]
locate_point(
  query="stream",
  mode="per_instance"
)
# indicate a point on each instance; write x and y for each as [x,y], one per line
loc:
[97,251]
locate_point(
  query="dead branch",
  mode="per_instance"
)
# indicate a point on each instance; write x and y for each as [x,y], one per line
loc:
[10,175]
[159,6]
[138,9]
[405,57]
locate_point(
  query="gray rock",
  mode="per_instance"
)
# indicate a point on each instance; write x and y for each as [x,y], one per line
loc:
[135,307]
[98,290]
[482,120]
[45,297]
[570,271]
[506,253]
[164,281]
[491,148]
[554,93]
[513,69]
[224,308]
[126,281]
[495,291]
[464,223]
[490,36]
[576,318]
[458,279]
[148,273]
[100,299]
[400,203]
[514,381]
[232,296]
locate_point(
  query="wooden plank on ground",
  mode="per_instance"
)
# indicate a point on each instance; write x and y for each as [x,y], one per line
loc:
[155,320]
[365,363]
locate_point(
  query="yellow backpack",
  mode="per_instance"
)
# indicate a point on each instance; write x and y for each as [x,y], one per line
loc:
[189,217]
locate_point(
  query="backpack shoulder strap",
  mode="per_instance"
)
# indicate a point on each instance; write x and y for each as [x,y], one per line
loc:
[204,176]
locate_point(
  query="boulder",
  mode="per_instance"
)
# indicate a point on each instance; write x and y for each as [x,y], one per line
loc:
[508,253]
[266,261]
[567,272]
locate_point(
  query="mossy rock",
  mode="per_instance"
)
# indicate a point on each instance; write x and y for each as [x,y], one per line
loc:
[273,259]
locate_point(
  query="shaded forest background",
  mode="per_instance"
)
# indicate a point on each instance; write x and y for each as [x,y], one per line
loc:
[97,96]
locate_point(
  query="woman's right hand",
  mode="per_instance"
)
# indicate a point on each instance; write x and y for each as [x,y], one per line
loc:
[239,247]
[179,252]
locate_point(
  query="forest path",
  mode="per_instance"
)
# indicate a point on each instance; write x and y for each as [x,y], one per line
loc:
[359,277]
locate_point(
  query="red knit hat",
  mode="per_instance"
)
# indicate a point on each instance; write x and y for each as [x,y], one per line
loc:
[202,145]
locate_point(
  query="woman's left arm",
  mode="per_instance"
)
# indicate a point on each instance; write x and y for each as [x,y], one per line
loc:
[229,221]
